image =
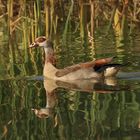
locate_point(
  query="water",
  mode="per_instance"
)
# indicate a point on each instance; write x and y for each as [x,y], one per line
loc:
[34,108]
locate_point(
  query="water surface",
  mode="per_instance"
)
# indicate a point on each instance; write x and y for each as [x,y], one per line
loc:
[82,110]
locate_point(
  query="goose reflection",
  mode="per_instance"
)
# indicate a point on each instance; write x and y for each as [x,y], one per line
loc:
[108,85]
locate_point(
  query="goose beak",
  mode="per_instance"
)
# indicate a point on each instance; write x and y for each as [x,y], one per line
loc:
[33,45]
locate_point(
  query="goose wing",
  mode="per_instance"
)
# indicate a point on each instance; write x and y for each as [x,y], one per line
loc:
[73,68]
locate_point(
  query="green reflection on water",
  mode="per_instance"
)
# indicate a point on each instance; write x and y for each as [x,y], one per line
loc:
[76,115]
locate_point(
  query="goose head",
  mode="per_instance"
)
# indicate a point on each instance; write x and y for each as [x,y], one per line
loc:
[47,46]
[41,42]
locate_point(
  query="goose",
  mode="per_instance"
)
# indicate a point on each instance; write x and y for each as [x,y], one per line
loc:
[96,69]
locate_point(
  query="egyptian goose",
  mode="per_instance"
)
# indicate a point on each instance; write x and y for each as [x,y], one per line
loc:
[97,69]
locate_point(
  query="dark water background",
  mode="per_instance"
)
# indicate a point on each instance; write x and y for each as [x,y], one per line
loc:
[111,113]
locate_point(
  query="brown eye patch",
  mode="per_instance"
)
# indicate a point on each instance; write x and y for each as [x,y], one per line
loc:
[40,39]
